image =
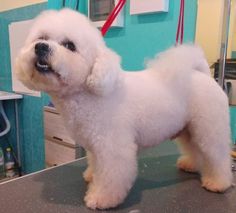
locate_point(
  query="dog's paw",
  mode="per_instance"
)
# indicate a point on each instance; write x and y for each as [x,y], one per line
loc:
[216,184]
[101,200]
[88,175]
[186,163]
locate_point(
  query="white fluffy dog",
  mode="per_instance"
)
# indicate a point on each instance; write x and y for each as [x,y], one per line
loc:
[111,113]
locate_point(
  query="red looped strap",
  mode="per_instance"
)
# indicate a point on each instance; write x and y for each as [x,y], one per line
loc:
[180,29]
[112,17]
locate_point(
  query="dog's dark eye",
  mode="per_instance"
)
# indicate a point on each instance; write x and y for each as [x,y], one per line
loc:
[69,45]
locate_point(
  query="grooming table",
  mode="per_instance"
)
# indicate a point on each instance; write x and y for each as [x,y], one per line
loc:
[160,188]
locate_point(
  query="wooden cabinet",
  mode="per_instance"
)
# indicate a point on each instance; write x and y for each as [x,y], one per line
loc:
[59,147]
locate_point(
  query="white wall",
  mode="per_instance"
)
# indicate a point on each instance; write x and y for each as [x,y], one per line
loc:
[12,4]
[209,27]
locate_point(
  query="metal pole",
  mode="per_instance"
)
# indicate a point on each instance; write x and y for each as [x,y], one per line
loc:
[223,54]
[224,42]
[18,134]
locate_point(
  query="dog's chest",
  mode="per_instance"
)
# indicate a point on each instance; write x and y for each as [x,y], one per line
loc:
[79,119]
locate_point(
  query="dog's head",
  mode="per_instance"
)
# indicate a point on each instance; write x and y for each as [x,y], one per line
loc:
[64,53]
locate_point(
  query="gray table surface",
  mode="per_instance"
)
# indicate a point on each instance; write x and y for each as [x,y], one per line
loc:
[160,187]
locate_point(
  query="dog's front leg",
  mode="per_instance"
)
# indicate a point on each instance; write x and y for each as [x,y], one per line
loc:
[115,169]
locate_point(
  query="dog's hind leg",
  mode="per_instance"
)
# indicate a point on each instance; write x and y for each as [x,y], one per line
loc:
[189,160]
[210,138]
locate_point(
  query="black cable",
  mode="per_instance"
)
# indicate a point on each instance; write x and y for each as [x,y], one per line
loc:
[77,5]
[63,3]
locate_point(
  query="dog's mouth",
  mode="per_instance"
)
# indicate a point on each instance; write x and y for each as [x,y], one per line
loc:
[43,67]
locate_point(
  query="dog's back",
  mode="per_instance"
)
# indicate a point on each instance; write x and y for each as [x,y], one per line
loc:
[180,59]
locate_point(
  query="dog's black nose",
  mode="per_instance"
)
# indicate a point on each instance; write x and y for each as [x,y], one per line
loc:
[41,49]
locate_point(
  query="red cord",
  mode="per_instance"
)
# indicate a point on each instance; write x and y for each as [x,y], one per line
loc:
[179,22]
[180,29]
[112,17]
[120,5]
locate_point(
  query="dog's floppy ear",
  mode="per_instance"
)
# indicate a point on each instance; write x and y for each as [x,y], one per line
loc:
[105,72]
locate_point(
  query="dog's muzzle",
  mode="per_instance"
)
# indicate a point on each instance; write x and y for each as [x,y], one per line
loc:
[42,52]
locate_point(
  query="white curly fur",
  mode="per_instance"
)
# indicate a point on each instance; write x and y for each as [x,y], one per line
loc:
[111,113]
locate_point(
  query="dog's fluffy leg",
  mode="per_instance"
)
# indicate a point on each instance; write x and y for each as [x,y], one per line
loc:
[214,149]
[189,161]
[88,173]
[114,173]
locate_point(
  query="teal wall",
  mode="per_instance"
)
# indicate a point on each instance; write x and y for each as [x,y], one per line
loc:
[142,37]
[145,35]
[233,123]
[233,54]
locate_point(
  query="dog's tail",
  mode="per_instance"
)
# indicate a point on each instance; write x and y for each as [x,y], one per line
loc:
[181,58]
